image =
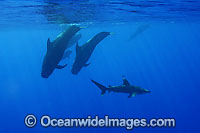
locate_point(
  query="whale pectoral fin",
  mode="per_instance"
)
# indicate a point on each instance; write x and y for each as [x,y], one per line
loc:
[131,95]
[87,64]
[61,67]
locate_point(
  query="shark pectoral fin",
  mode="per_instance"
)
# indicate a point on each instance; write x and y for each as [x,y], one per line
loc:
[87,64]
[61,67]
[131,95]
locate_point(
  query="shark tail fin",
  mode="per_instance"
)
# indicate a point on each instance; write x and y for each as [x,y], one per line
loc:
[103,88]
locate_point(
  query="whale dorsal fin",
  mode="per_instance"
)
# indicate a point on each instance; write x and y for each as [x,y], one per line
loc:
[77,47]
[125,82]
[48,43]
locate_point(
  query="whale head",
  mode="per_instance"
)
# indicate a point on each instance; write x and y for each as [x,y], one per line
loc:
[75,68]
[47,68]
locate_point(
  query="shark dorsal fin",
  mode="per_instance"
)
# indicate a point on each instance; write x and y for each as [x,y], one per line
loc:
[48,43]
[125,82]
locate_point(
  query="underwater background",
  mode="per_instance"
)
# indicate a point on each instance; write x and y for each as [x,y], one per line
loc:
[155,44]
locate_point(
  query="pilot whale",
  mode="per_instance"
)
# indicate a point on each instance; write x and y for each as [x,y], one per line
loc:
[125,88]
[55,51]
[84,52]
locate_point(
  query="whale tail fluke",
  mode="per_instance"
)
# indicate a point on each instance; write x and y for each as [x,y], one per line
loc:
[103,88]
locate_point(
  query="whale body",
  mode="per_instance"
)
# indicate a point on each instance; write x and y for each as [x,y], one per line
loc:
[83,53]
[55,51]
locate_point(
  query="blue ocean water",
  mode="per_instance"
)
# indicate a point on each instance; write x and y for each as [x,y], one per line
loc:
[155,44]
